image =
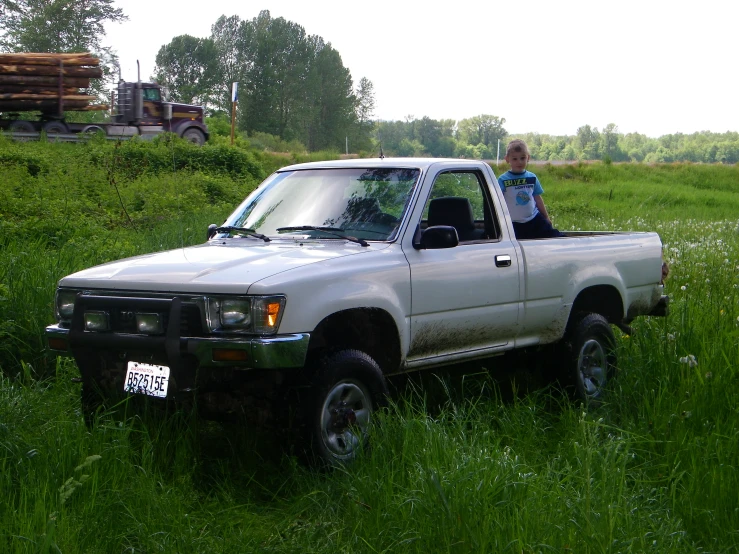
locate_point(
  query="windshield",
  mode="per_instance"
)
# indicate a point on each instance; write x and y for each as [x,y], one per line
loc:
[363,203]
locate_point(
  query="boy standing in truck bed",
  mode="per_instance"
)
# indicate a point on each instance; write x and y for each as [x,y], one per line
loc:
[522,192]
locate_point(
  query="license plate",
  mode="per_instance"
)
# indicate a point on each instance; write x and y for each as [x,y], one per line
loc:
[148,379]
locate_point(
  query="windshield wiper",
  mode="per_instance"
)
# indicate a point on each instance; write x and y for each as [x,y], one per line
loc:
[335,231]
[241,230]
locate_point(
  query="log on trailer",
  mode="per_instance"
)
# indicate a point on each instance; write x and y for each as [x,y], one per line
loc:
[69,71]
[49,59]
[48,82]
[48,106]
[43,80]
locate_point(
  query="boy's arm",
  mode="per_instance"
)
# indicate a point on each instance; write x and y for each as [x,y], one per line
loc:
[541,207]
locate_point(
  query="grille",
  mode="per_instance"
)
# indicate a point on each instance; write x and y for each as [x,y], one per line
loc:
[122,313]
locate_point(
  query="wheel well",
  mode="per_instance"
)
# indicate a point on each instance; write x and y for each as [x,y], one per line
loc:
[370,330]
[600,299]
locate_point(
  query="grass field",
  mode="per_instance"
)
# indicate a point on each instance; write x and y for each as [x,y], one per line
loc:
[492,461]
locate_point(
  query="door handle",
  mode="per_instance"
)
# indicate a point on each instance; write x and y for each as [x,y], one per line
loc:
[503,260]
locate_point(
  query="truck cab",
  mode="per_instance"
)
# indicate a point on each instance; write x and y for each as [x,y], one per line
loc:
[145,106]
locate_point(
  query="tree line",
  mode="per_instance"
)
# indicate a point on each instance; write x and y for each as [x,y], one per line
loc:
[478,137]
[294,87]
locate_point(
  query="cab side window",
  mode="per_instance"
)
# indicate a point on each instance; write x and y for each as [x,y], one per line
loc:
[460,199]
[152,95]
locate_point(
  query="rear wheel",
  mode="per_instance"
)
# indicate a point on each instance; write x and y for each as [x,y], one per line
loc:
[347,390]
[591,358]
[194,135]
[92,131]
[21,127]
[55,128]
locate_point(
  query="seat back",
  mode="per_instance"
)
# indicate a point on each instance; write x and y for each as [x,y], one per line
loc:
[455,211]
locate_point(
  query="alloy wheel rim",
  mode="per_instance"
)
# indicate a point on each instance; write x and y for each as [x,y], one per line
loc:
[592,366]
[345,417]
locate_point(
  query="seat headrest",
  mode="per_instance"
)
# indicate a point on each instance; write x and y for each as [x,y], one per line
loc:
[451,210]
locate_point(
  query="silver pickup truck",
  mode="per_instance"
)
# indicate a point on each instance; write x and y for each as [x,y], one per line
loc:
[332,276]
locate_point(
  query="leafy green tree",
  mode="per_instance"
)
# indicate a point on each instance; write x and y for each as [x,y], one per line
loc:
[186,67]
[609,140]
[586,135]
[365,95]
[389,135]
[334,115]
[364,110]
[56,25]
[279,58]
[485,129]
[408,147]
[227,36]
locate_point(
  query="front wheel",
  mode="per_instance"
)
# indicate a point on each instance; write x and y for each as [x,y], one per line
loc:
[347,390]
[194,135]
[591,358]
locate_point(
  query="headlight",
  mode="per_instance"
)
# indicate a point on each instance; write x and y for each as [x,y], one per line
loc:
[247,314]
[235,313]
[65,304]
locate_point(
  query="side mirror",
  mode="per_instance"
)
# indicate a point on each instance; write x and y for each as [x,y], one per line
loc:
[212,230]
[438,236]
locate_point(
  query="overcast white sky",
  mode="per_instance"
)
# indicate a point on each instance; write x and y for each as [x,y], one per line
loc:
[649,66]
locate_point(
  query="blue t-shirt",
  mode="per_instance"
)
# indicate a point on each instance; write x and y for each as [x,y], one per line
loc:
[519,190]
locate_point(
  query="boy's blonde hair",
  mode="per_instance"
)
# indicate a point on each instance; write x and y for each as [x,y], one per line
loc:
[517,145]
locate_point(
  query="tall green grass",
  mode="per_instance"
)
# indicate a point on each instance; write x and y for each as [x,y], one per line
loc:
[457,463]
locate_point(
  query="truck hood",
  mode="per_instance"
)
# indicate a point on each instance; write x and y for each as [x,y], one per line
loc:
[228,266]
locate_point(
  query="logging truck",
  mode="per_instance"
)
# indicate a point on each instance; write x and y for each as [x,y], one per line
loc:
[38,89]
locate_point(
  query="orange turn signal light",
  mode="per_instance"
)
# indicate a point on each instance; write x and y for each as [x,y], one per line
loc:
[228,355]
[273,310]
[58,344]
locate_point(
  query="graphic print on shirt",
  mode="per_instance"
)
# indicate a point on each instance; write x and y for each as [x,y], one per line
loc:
[519,191]
[522,198]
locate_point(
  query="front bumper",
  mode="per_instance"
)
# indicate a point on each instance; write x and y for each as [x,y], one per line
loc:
[180,340]
[282,351]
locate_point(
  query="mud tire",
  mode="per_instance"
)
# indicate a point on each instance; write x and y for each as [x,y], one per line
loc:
[346,391]
[55,127]
[589,359]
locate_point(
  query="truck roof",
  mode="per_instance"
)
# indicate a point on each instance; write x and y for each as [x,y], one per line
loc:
[415,163]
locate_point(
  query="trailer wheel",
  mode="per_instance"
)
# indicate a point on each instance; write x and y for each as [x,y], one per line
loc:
[56,128]
[21,127]
[93,131]
[194,135]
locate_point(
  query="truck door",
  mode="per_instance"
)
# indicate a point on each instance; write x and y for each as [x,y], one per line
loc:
[152,104]
[464,300]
